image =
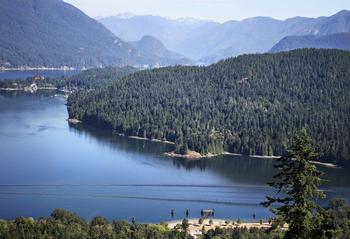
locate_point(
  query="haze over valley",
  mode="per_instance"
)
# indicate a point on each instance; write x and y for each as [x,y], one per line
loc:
[209,41]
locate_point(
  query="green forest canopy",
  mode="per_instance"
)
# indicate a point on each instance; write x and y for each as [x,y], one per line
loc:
[251,104]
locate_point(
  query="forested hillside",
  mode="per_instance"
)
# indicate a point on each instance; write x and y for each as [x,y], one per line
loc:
[251,104]
[53,33]
[333,41]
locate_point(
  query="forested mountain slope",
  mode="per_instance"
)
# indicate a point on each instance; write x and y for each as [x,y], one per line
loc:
[251,104]
[52,33]
[334,41]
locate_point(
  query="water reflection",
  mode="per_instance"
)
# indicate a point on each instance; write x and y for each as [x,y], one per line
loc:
[108,138]
[237,169]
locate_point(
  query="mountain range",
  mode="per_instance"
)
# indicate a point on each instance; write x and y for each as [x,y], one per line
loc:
[208,41]
[332,41]
[52,33]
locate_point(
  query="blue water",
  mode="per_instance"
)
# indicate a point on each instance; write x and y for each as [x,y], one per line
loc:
[10,75]
[46,163]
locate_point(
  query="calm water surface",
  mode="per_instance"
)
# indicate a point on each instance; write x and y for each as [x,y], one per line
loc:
[45,163]
[32,73]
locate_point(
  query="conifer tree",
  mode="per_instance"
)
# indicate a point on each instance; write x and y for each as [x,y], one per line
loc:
[297,182]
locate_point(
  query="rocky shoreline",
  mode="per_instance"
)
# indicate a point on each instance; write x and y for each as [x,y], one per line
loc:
[27,68]
[193,155]
[33,88]
[73,121]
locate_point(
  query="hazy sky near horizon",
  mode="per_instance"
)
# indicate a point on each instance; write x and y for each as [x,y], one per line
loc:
[218,10]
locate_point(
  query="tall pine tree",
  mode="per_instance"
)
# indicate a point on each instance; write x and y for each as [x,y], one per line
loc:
[297,182]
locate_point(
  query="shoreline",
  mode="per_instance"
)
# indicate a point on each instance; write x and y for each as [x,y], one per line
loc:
[73,121]
[196,230]
[220,222]
[147,139]
[63,68]
[330,165]
[27,87]
[31,90]
[190,155]
[193,155]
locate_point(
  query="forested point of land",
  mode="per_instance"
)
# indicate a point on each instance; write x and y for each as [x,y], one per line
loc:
[93,78]
[251,104]
[87,79]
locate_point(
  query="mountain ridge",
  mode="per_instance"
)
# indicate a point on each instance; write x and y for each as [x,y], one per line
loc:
[209,41]
[339,41]
[54,34]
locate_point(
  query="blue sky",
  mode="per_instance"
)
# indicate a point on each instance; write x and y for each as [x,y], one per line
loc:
[219,10]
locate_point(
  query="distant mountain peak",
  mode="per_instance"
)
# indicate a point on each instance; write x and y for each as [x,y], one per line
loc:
[191,20]
[125,15]
[343,12]
[259,18]
[151,46]
[150,38]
